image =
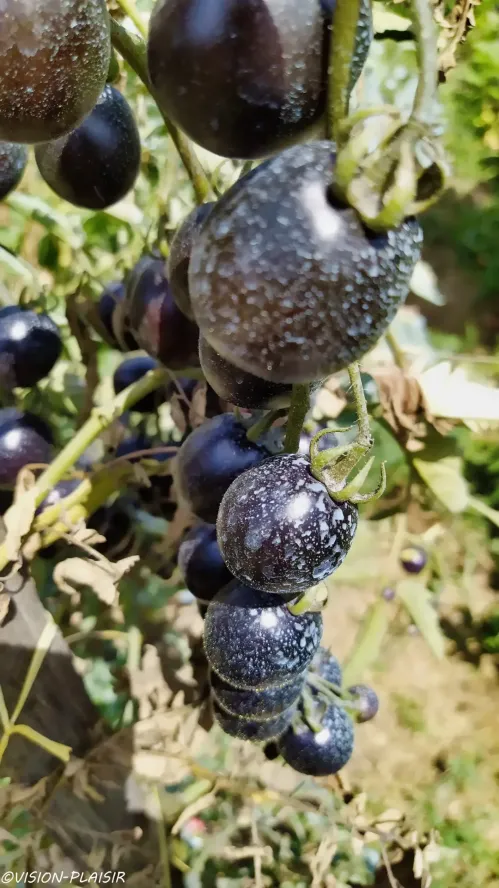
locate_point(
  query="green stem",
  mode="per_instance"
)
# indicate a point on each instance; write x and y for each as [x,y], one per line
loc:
[263,424]
[427,53]
[94,426]
[99,420]
[300,402]
[364,436]
[133,50]
[130,10]
[343,38]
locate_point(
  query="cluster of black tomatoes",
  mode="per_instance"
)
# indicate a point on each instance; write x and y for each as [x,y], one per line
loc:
[276,284]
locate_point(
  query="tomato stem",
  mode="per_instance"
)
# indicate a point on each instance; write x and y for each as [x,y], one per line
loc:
[342,50]
[100,419]
[130,10]
[133,49]
[300,403]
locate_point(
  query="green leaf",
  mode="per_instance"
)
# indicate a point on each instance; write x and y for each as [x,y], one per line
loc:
[424,283]
[368,643]
[445,479]
[36,209]
[417,600]
[59,750]
[479,506]
[18,266]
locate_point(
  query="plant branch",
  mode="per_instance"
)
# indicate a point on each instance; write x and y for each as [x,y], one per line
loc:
[95,425]
[343,37]
[426,49]
[300,402]
[133,49]
[130,10]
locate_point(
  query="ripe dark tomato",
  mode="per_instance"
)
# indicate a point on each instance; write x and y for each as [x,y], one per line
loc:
[180,254]
[115,523]
[30,345]
[367,701]
[327,666]
[237,386]
[156,498]
[13,160]
[252,641]
[59,492]
[279,530]
[287,284]
[271,751]
[130,371]
[413,559]
[258,705]
[133,444]
[244,78]
[249,729]
[53,66]
[113,317]
[323,752]
[24,439]
[96,164]
[209,460]
[201,563]
[157,323]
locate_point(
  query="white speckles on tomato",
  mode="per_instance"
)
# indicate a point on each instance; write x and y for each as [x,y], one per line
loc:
[280,541]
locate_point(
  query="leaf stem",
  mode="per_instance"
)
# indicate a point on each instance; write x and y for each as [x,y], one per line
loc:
[300,403]
[130,10]
[342,49]
[94,426]
[262,425]
[427,54]
[133,49]
[364,436]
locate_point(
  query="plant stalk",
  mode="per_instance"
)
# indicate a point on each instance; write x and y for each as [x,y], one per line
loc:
[427,54]
[342,49]
[130,10]
[133,49]
[300,403]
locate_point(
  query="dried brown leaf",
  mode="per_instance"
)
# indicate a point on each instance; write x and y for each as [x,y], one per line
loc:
[101,576]
[19,518]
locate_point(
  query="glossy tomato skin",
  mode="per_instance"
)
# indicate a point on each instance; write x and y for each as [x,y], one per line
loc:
[30,345]
[13,160]
[24,439]
[326,665]
[238,386]
[257,705]
[252,641]
[288,285]
[244,78]
[413,559]
[209,460]
[279,530]
[201,563]
[96,164]
[319,753]
[367,701]
[157,323]
[130,371]
[54,59]
[113,317]
[180,255]
[252,729]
